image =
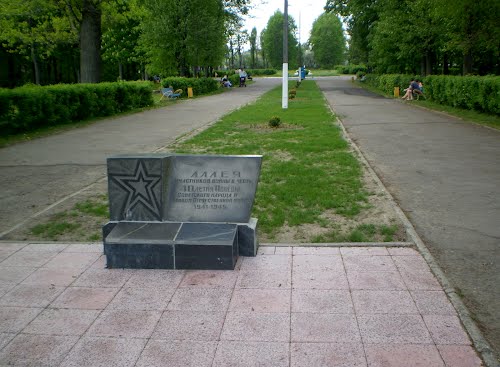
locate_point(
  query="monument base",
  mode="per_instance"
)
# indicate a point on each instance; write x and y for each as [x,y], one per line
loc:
[170,245]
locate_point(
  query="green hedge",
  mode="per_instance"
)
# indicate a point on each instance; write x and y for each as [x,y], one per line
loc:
[351,69]
[480,93]
[31,107]
[199,85]
[252,72]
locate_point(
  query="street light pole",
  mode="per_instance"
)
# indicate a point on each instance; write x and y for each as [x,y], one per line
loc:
[284,97]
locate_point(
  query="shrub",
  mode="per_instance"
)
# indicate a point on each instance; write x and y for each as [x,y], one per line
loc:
[292,93]
[30,107]
[199,85]
[480,93]
[275,122]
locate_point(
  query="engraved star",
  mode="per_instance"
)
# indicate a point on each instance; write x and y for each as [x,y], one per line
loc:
[139,189]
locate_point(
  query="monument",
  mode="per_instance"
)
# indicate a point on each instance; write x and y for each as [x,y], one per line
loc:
[174,211]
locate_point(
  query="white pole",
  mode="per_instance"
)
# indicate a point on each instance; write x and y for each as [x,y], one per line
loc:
[284,97]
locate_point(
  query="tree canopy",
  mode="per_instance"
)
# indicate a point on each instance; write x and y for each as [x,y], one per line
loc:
[327,40]
[272,40]
[423,36]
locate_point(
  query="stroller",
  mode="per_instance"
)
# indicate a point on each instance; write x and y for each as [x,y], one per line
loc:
[243,81]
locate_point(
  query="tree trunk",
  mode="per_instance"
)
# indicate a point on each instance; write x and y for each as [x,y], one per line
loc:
[36,68]
[446,66]
[90,42]
[120,70]
[467,68]
[428,63]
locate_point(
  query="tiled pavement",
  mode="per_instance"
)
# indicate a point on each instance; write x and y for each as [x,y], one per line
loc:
[300,306]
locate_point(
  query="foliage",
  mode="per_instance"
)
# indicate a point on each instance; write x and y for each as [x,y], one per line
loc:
[199,85]
[351,69]
[31,107]
[274,122]
[469,92]
[253,46]
[327,40]
[422,36]
[273,40]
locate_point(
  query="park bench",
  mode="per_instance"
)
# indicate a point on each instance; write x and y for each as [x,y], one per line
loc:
[169,93]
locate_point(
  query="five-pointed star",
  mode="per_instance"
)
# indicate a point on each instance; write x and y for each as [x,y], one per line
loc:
[139,189]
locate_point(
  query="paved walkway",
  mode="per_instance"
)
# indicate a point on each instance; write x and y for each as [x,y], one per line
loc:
[300,307]
[445,175]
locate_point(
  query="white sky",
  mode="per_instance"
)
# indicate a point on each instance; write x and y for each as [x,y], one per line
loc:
[305,10]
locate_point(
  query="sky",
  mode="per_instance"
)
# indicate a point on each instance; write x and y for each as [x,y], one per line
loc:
[305,10]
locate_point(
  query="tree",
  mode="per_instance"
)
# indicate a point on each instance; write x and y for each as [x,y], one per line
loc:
[273,40]
[253,47]
[327,40]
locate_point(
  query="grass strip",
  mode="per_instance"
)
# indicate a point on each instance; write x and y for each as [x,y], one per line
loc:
[307,167]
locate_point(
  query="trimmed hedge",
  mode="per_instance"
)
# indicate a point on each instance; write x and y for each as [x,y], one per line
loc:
[351,69]
[480,93]
[199,85]
[31,107]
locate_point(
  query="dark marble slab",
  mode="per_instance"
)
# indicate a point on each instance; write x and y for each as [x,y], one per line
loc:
[143,232]
[139,256]
[135,186]
[247,238]
[211,188]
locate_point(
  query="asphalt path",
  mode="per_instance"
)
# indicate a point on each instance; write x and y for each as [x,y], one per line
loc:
[445,175]
[34,175]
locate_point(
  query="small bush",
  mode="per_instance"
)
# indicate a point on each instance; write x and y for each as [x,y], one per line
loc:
[199,85]
[275,122]
[292,93]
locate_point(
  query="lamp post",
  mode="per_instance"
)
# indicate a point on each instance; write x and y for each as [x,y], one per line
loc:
[284,97]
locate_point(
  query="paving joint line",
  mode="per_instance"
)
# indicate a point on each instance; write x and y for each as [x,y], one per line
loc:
[479,342]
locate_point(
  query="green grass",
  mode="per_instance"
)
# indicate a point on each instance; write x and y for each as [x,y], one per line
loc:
[307,167]
[361,233]
[52,230]
[492,121]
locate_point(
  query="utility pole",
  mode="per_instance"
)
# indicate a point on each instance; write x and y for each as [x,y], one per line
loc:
[284,97]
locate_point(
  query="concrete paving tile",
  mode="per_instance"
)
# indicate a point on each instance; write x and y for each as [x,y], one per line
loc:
[283,250]
[389,281]
[15,319]
[12,246]
[61,277]
[50,247]
[326,328]
[319,279]
[125,324]
[161,353]
[37,350]
[6,287]
[420,281]
[327,355]
[312,250]
[146,299]
[29,259]
[390,355]
[85,298]
[386,302]
[15,274]
[100,263]
[5,253]
[321,301]
[433,302]
[189,325]
[393,329]
[369,263]
[459,356]
[156,278]
[267,262]
[256,326]
[260,300]
[446,330]
[364,251]
[72,260]
[62,322]
[104,352]
[266,250]
[402,251]
[107,278]
[251,354]
[411,264]
[85,247]
[200,299]
[31,295]
[209,279]
[5,338]
[304,263]
[264,279]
